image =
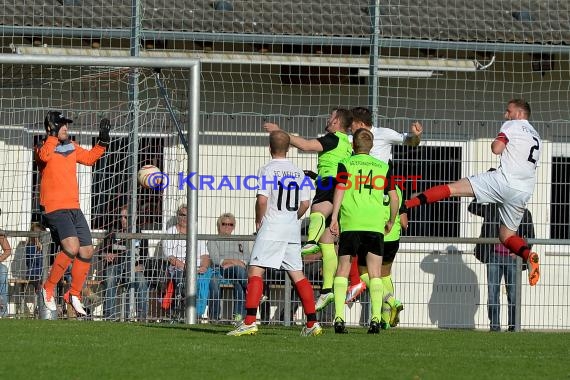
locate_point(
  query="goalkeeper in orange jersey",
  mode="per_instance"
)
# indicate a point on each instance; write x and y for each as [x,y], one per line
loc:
[57,157]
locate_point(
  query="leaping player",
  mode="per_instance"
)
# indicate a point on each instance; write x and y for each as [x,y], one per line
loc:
[510,186]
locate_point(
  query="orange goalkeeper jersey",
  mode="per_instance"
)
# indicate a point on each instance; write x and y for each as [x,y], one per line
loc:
[59,189]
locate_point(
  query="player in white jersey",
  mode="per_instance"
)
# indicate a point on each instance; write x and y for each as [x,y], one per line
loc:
[281,188]
[510,186]
[282,200]
[384,138]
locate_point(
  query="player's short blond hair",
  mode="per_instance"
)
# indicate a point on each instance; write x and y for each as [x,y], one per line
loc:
[522,105]
[279,142]
[362,141]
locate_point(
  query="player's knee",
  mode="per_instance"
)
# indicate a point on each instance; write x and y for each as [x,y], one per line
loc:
[72,253]
[386,268]
[86,252]
[83,258]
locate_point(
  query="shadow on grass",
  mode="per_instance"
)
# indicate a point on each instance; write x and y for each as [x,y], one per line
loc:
[221,329]
[208,329]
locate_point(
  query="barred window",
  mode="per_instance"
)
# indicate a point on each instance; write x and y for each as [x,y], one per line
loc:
[112,181]
[436,165]
[560,202]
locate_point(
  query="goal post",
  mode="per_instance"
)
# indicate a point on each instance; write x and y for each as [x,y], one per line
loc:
[192,98]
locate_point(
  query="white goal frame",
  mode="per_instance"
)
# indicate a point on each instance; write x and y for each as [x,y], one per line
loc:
[193,65]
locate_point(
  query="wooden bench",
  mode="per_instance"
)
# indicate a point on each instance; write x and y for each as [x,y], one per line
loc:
[24,292]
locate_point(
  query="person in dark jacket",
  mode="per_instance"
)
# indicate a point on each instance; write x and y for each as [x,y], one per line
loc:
[500,262]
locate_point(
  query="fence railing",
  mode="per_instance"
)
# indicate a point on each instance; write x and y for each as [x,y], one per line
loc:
[440,288]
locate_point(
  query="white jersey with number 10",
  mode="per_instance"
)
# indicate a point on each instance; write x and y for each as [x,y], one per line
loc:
[281,182]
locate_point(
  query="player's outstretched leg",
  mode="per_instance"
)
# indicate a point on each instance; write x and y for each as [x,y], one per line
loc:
[431,195]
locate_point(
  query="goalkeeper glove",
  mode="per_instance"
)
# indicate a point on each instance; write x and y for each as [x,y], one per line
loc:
[104,137]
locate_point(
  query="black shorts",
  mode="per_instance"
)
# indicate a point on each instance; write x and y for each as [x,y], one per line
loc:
[359,243]
[324,192]
[324,189]
[68,223]
[390,250]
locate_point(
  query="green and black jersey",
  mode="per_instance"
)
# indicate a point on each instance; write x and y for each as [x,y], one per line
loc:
[394,234]
[336,147]
[367,180]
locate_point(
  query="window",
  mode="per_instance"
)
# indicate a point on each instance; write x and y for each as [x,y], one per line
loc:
[112,181]
[560,200]
[436,165]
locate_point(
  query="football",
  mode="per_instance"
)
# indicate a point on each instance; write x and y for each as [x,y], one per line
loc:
[146,176]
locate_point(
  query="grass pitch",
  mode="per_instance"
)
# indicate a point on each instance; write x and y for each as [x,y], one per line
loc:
[33,349]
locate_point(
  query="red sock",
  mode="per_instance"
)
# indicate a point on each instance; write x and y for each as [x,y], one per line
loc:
[252,297]
[62,261]
[354,273]
[431,195]
[307,296]
[518,246]
[79,272]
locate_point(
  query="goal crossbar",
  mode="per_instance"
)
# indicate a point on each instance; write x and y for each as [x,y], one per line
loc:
[78,60]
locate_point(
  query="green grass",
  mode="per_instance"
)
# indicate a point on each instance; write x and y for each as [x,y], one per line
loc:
[33,349]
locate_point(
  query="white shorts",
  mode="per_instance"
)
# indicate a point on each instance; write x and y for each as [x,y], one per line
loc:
[492,187]
[277,255]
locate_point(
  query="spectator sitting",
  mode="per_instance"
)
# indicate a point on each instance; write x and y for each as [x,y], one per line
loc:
[117,261]
[34,254]
[229,258]
[175,252]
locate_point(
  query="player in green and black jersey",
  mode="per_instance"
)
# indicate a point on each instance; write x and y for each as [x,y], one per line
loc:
[358,202]
[332,148]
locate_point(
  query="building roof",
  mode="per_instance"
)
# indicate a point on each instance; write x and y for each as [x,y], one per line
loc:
[514,21]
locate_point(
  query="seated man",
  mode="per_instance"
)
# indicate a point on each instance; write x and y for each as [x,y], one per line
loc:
[175,252]
[117,260]
[229,258]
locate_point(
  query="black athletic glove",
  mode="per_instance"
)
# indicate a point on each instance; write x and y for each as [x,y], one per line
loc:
[104,137]
[51,124]
[311,174]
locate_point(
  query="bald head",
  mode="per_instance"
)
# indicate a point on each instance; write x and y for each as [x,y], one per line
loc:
[279,143]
